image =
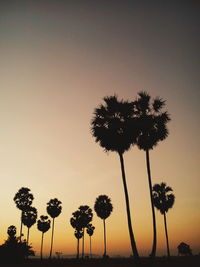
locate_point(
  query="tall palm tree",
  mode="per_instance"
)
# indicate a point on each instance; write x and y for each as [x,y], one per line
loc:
[152,124]
[103,208]
[23,200]
[90,232]
[43,225]
[111,126]
[78,234]
[163,200]
[54,209]
[29,217]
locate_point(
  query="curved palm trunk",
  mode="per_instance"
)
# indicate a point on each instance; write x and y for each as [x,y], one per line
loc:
[165,222]
[90,247]
[27,236]
[41,246]
[52,239]
[132,239]
[20,236]
[153,252]
[77,256]
[83,244]
[104,228]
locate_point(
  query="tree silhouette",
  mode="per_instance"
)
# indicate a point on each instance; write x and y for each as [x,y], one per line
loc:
[90,231]
[23,200]
[163,200]
[81,218]
[184,249]
[152,129]
[103,208]
[11,231]
[78,234]
[43,225]
[114,128]
[29,217]
[54,209]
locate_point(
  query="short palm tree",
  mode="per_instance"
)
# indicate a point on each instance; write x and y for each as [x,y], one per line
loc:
[103,208]
[43,225]
[152,123]
[114,128]
[78,234]
[90,232]
[12,230]
[163,200]
[29,217]
[54,209]
[23,200]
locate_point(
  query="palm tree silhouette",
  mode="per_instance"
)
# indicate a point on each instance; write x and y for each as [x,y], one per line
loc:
[163,200]
[54,209]
[43,225]
[23,200]
[90,232]
[114,128]
[152,129]
[78,234]
[103,208]
[29,217]
[12,230]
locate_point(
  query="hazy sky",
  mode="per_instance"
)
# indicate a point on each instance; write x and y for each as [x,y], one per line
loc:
[58,60]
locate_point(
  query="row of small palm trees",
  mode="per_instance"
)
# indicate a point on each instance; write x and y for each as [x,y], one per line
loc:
[117,125]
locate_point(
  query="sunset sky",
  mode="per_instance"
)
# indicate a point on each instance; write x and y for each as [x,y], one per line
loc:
[58,59]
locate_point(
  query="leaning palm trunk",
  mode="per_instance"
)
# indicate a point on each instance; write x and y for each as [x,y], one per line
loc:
[104,227]
[51,239]
[41,246]
[167,240]
[132,239]
[153,252]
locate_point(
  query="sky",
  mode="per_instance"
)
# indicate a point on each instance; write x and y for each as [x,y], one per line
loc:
[58,60]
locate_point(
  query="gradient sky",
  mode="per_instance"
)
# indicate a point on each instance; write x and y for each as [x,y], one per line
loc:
[58,60]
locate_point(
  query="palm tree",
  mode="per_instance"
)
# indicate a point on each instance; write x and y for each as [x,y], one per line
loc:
[111,126]
[29,217]
[23,200]
[152,129]
[78,234]
[54,209]
[103,208]
[12,230]
[43,225]
[163,200]
[90,232]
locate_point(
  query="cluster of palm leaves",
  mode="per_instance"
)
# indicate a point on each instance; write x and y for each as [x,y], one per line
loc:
[81,220]
[23,200]
[117,125]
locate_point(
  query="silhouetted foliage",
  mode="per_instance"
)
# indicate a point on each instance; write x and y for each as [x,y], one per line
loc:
[90,231]
[29,217]
[103,208]
[54,209]
[78,234]
[151,129]
[115,128]
[163,201]
[13,250]
[23,200]
[184,249]
[43,225]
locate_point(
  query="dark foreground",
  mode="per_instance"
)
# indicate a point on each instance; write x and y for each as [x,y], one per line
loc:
[193,261]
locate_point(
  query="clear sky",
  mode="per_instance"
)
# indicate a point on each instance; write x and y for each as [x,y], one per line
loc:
[58,60]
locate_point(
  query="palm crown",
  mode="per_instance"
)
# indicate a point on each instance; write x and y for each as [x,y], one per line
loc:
[90,229]
[162,198]
[103,206]
[11,231]
[151,121]
[112,124]
[54,207]
[43,224]
[29,216]
[23,198]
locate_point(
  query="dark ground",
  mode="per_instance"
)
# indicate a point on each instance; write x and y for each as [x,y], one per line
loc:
[193,261]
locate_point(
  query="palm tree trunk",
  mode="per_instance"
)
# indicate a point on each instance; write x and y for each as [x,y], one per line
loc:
[77,256]
[41,246]
[83,245]
[52,239]
[132,239]
[153,252]
[20,236]
[27,236]
[90,247]
[104,228]
[167,240]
